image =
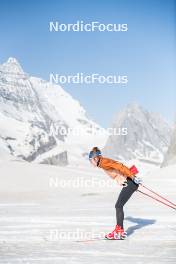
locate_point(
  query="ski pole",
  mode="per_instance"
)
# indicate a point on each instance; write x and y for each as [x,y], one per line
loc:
[158,195]
[158,200]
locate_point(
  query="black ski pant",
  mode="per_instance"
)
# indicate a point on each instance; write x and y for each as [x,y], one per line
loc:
[124,196]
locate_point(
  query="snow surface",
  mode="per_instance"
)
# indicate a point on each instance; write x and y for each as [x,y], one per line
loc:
[35,212]
[170,157]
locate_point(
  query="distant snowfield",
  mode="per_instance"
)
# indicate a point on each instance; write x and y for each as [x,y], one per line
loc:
[46,210]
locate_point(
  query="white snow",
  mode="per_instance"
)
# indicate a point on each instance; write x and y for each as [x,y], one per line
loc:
[33,112]
[170,157]
[40,221]
[147,139]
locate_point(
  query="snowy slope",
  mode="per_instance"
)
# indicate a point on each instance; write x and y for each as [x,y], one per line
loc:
[147,139]
[40,222]
[41,115]
[170,156]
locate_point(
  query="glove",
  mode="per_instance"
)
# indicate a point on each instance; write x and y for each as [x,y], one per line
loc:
[137,180]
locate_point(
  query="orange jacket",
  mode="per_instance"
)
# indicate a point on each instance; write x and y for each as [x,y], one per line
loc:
[115,169]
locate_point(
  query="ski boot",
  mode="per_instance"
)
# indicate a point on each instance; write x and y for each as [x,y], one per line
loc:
[117,234]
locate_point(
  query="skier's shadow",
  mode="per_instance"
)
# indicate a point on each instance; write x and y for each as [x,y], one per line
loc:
[140,223]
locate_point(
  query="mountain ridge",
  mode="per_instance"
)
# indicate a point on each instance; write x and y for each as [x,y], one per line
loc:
[39,110]
[147,139]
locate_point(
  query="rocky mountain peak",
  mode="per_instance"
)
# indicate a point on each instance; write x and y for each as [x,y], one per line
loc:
[147,137]
[12,66]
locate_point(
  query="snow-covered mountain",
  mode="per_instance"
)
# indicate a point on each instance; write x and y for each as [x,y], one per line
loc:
[38,120]
[147,136]
[170,157]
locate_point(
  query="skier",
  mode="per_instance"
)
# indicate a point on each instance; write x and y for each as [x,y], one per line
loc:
[125,177]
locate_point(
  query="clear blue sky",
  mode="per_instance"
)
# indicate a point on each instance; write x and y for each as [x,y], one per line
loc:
[146,53]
